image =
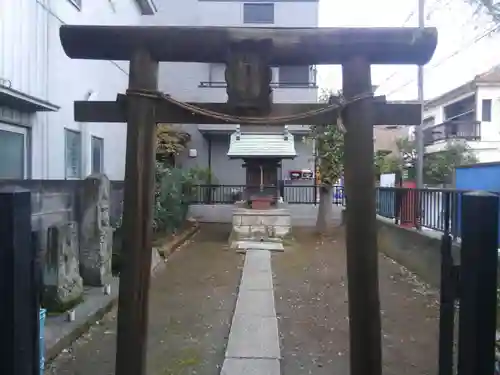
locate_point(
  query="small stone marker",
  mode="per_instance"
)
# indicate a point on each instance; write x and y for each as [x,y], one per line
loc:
[63,286]
[96,233]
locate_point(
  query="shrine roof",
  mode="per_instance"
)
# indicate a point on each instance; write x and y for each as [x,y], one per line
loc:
[262,145]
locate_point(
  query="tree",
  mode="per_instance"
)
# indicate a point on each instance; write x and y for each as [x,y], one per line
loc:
[382,161]
[438,166]
[330,153]
[170,142]
[488,7]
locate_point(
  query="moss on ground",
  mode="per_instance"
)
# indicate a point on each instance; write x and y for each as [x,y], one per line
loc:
[186,359]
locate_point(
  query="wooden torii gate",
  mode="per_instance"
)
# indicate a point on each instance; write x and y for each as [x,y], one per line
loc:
[248,54]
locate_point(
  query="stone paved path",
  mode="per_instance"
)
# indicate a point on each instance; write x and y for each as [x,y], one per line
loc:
[253,347]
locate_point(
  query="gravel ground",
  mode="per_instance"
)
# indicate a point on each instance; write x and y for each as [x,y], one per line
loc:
[193,299]
[191,306]
[311,303]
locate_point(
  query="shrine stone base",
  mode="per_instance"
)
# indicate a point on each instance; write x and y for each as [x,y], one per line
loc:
[260,229]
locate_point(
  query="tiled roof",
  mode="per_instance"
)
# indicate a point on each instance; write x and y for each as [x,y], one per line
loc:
[261,145]
[491,76]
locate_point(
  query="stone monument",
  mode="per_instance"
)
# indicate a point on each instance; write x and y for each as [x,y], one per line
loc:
[96,233]
[63,286]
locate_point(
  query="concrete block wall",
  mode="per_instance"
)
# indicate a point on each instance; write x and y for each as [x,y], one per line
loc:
[57,201]
[418,251]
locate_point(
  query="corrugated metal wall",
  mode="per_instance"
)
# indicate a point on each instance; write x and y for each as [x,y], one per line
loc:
[24,46]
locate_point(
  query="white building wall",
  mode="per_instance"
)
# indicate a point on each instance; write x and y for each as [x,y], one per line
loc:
[488,148]
[72,80]
[490,130]
[35,63]
[230,13]
[183,79]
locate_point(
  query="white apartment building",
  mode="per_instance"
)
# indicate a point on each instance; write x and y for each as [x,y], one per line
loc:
[470,113]
[197,82]
[39,138]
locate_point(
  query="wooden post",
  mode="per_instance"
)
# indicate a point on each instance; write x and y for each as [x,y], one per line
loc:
[361,237]
[478,284]
[19,287]
[137,220]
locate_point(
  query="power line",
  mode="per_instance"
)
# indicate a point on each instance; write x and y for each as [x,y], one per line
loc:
[407,19]
[437,4]
[405,23]
[452,55]
[434,7]
[419,131]
[54,15]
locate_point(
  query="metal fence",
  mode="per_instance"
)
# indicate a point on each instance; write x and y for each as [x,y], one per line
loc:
[468,288]
[436,209]
[293,194]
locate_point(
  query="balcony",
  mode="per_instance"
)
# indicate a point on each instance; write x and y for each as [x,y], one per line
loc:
[306,92]
[450,130]
[290,85]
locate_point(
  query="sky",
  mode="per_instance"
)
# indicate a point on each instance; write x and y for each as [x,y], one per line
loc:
[466,45]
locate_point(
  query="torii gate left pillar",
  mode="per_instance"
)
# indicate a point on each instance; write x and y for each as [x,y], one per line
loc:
[137,216]
[355,49]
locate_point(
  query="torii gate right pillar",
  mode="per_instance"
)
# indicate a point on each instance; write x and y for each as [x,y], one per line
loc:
[361,236]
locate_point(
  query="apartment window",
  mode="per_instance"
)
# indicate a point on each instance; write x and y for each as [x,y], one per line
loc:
[258,13]
[97,155]
[13,150]
[486,110]
[73,140]
[294,76]
[76,3]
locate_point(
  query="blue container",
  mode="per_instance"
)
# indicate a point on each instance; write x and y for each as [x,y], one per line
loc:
[338,194]
[42,341]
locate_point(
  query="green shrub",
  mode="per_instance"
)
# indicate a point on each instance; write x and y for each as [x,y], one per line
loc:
[173,191]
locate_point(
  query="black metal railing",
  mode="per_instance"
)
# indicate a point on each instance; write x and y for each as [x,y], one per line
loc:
[436,209]
[466,130]
[292,194]
[429,208]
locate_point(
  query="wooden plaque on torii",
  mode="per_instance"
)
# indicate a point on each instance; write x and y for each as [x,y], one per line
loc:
[249,53]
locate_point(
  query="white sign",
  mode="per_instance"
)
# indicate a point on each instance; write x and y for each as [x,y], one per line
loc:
[388,180]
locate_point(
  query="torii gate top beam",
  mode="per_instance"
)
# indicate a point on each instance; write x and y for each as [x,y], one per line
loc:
[290,46]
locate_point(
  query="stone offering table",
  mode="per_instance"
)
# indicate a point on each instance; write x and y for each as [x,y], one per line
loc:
[263,202]
[260,226]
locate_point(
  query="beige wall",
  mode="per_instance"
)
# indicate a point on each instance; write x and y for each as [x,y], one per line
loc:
[385,138]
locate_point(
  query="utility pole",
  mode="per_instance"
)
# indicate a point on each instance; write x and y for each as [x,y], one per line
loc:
[419,132]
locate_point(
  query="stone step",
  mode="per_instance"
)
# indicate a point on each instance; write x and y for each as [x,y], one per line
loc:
[253,337]
[244,246]
[250,366]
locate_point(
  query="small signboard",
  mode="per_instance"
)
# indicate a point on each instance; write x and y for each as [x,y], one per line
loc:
[303,174]
[295,175]
[388,180]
